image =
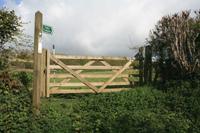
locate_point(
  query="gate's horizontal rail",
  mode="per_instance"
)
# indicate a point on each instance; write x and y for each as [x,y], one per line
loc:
[90,57]
[20,60]
[87,75]
[88,67]
[60,91]
[81,84]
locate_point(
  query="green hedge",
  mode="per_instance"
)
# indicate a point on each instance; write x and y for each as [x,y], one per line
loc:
[139,110]
[26,78]
[53,118]
[15,109]
[175,108]
[184,96]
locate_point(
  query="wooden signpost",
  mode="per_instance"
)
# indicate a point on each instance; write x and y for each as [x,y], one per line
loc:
[37,73]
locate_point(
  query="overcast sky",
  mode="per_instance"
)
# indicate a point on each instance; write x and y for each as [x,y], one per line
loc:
[97,27]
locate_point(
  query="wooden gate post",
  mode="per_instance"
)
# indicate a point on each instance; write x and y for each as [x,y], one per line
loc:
[141,65]
[37,74]
[148,65]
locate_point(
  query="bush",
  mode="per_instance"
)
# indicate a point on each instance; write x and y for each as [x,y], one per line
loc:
[184,96]
[15,108]
[53,118]
[139,110]
[25,78]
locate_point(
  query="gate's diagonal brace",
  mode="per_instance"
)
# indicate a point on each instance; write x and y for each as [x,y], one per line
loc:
[107,64]
[78,71]
[115,75]
[84,81]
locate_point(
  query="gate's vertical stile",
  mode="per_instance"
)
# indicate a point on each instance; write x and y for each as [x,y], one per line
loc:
[43,67]
[47,73]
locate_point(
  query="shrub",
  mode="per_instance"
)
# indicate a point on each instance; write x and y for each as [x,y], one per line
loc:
[139,110]
[53,118]
[25,78]
[15,108]
[184,96]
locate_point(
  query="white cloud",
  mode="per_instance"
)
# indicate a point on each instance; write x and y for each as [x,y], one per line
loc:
[98,27]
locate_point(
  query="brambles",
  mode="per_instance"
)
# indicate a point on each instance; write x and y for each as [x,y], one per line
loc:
[140,110]
[15,101]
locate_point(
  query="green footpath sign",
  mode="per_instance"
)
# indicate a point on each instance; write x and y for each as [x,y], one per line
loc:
[47,29]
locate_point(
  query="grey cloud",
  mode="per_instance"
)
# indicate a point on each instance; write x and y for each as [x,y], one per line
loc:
[98,27]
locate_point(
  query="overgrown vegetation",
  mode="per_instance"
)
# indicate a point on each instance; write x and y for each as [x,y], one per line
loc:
[15,105]
[170,106]
[141,110]
[176,42]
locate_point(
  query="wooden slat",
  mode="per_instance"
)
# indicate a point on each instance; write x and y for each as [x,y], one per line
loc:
[20,60]
[87,64]
[21,70]
[86,75]
[132,71]
[87,67]
[81,84]
[76,91]
[90,57]
[78,71]
[57,61]
[115,75]
[105,63]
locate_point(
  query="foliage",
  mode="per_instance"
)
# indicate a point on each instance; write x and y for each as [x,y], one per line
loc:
[25,78]
[4,59]
[139,110]
[176,40]
[184,96]
[54,117]
[15,106]
[9,26]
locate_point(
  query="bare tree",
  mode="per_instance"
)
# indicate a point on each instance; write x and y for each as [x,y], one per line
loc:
[179,35]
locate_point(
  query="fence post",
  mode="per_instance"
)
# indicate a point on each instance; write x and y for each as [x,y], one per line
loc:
[37,74]
[141,65]
[47,63]
[148,65]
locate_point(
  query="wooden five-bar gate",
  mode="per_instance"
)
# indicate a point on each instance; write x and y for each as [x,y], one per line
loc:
[64,74]
[61,74]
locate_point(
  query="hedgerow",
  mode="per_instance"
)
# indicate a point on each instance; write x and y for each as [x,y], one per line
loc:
[184,96]
[139,110]
[15,109]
